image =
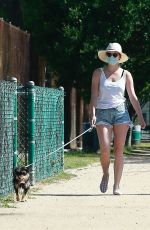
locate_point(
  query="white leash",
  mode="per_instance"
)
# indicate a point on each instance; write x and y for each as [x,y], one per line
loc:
[88,130]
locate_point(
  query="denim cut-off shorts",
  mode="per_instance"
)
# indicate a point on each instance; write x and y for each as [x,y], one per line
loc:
[113,116]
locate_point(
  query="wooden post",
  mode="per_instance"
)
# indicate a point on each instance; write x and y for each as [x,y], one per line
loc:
[73,145]
[81,120]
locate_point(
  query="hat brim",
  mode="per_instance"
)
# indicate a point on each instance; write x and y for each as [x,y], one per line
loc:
[102,55]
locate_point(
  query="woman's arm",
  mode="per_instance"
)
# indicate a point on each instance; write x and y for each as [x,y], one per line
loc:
[94,95]
[133,98]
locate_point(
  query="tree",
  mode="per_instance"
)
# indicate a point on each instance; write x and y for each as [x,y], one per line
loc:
[68,34]
[11,12]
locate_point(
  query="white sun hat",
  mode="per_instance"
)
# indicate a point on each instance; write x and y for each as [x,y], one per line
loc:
[113,47]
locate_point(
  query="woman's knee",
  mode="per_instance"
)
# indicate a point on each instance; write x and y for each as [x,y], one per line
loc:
[118,149]
[105,154]
[118,154]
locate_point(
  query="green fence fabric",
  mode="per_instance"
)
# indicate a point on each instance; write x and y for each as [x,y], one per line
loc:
[49,109]
[7,93]
[31,130]
[22,126]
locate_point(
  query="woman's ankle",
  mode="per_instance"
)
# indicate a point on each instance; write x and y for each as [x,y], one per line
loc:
[116,186]
[106,175]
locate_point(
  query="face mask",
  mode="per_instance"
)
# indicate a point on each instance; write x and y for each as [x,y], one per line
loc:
[112,60]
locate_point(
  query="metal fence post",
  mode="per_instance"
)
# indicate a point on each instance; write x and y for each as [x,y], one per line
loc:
[62,120]
[15,140]
[31,128]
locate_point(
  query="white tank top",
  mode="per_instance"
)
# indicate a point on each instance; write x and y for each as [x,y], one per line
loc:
[111,94]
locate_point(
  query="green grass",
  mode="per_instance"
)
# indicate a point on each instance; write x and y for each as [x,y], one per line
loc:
[56,178]
[79,159]
[7,202]
[141,146]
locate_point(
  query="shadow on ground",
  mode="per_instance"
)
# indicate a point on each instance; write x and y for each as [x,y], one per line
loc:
[88,195]
[137,160]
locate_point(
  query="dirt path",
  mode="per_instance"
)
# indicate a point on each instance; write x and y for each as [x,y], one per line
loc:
[77,204]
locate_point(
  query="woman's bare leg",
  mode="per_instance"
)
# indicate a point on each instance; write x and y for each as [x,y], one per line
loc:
[120,132]
[104,135]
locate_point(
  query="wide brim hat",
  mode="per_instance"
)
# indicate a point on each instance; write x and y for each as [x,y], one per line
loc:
[116,47]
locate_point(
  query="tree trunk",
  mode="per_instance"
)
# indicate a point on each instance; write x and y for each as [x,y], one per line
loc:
[81,120]
[73,145]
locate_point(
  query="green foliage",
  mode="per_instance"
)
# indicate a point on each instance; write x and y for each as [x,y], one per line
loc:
[10,11]
[3,10]
[145,94]
[68,34]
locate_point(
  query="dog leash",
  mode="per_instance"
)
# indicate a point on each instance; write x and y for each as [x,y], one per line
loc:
[88,130]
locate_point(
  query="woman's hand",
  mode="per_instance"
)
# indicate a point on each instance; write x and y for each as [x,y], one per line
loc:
[93,120]
[143,124]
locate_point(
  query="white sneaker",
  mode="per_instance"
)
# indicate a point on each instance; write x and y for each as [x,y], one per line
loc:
[117,191]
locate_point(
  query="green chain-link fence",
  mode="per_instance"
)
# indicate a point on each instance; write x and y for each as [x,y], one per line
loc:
[22,126]
[48,131]
[7,94]
[32,126]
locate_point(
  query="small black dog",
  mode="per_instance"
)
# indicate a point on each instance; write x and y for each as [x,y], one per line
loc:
[21,183]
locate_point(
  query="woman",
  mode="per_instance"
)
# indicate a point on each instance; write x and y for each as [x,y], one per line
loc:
[108,110]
